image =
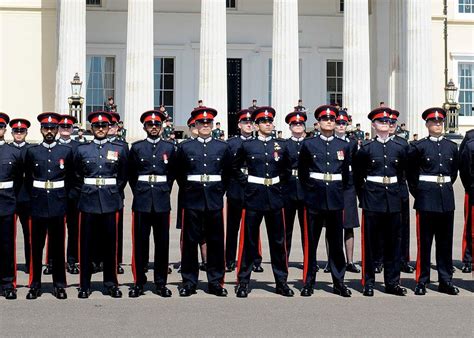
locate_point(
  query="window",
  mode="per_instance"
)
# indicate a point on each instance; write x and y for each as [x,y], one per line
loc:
[466,6]
[97,3]
[100,72]
[231,4]
[334,82]
[270,67]
[163,79]
[466,89]
[341,5]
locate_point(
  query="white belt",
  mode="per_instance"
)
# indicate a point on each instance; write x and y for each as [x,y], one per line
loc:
[326,177]
[264,181]
[383,179]
[204,178]
[294,172]
[48,184]
[152,178]
[100,181]
[435,179]
[6,185]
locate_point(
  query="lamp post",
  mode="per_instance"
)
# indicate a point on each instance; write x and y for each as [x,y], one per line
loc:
[76,101]
[451,107]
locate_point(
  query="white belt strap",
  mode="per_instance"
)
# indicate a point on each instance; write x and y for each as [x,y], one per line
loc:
[204,178]
[435,179]
[97,181]
[383,179]
[48,184]
[6,185]
[326,177]
[264,181]
[152,178]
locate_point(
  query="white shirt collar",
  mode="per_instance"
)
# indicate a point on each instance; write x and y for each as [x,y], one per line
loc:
[2,143]
[19,145]
[344,138]
[207,140]
[327,139]
[112,138]
[245,138]
[101,142]
[383,141]
[264,139]
[152,141]
[436,139]
[297,139]
[48,146]
[63,141]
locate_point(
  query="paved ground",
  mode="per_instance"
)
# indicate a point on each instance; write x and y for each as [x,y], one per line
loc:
[263,313]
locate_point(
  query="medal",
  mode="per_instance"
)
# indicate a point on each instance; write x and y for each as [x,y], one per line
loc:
[61,163]
[340,155]
[112,155]
[165,158]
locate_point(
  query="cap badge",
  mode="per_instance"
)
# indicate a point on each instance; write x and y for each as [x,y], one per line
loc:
[99,117]
[153,116]
[50,119]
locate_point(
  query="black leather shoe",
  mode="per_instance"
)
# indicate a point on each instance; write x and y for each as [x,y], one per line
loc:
[378,268]
[284,290]
[242,290]
[203,266]
[33,293]
[341,290]
[83,293]
[307,291]
[396,290]
[407,268]
[217,290]
[448,288]
[72,268]
[135,291]
[420,289]
[466,268]
[327,268]
[186,291]
[120,270]
[257,268]
[163,291]
[114,292]
[48,270]
[230,267]
[368,291]
[10,294]
[351,267]
[60,293]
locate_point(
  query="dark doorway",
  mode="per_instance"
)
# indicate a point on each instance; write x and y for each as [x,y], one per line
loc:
[234,94]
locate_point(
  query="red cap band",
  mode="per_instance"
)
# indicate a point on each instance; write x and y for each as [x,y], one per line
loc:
[204,116]
[100,118]
[152,117]
[342,118]
[381,115]
[49,119]
[264,114]
[2,121]
[435,115]
[296,118]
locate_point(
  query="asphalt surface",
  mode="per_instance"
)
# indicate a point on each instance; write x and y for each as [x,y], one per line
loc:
[262,314]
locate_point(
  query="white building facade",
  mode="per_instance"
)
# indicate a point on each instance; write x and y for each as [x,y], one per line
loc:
[227,52]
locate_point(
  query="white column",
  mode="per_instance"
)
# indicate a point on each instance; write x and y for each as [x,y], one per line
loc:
[213,58]
[397,46]
[71,50]
[285,61]
[356,62]
[139,68]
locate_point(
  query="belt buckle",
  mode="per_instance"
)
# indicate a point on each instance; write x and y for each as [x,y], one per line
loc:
[327,177]
[440,179]
[294,172]
[100,181]
[204,178]
[152,179]
[267,181]
[48,185]
[386,180]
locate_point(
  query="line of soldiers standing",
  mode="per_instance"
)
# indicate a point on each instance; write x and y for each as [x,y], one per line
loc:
[318,178]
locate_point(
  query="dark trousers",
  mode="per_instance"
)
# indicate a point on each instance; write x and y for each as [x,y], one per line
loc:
[8,252]
[142,224]
[291,208]
[437,225]
[405,232]
[24,217]
[199,226]
[72,220]
[385,226]
[467,233]
[90,225]
[55,228]
[249,242]
[313,225]
[234,217]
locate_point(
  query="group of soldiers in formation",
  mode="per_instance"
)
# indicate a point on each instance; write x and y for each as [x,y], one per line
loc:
[319,178]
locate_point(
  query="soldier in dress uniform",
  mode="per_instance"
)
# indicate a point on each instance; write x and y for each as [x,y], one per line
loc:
[66,125]
[19,133]
[269,168]
[49,176]
[405,214]
[351,214]
[11,177]
[358,133]
[101,170]
[294,194]
[203,173]
[151,166]
[378,168]
[235,195]
[324,174]
[432,172]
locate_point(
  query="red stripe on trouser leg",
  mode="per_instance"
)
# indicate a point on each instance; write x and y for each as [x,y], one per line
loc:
[134,247]
[241,243]
[223,224]
[79,246]
[306,248]
[362,244]
[46,258]
[418,242]
[284,237]
[14,250]
[181,235]
[30,226]
[117,217]
[64,242]
[466,218]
